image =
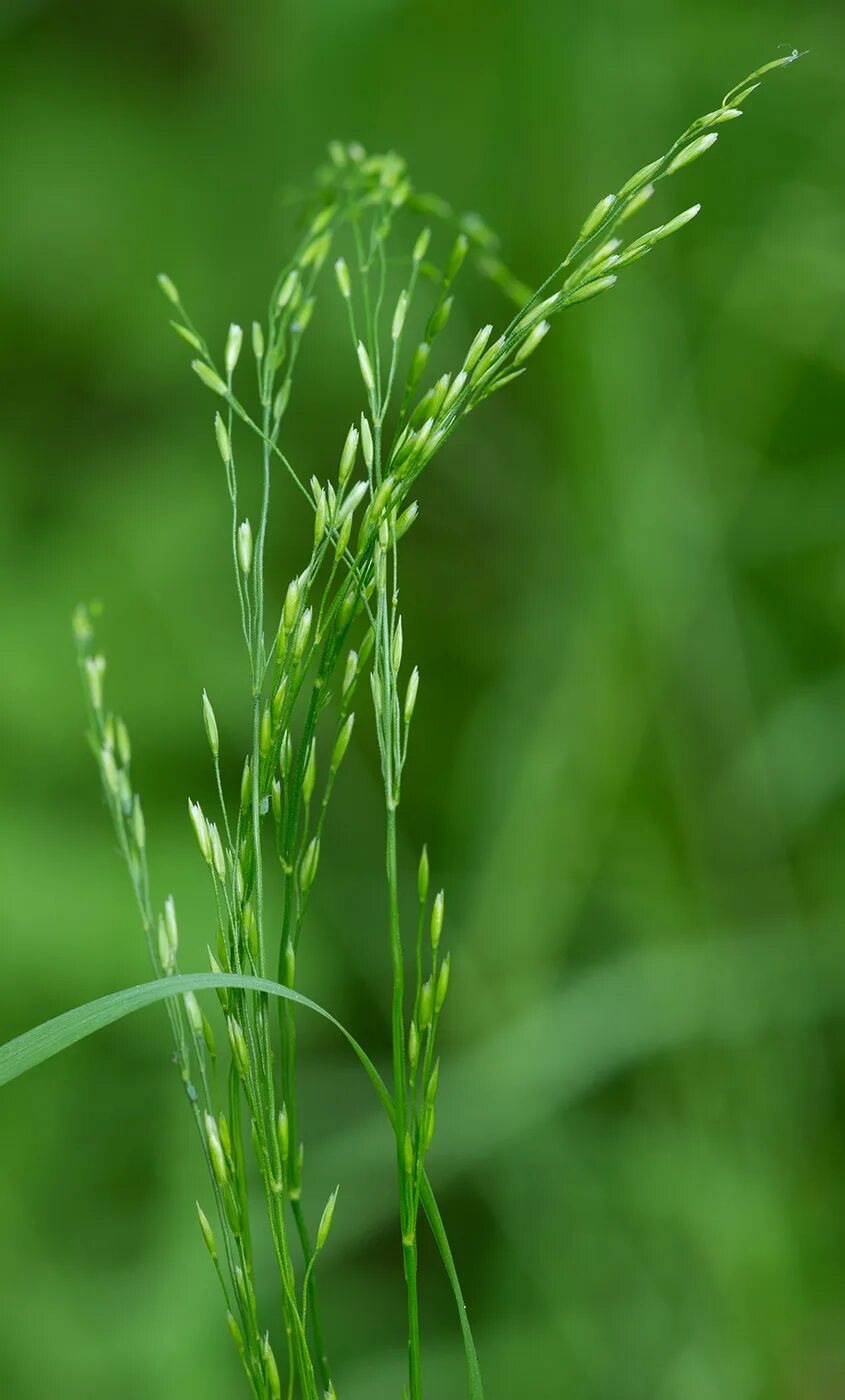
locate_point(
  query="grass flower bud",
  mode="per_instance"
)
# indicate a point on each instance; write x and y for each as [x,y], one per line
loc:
[532,340]
[139,829]
[291,603]
[439,317]
[265,732]
[406,520]
[320,516]
[347,456]
[290,963]
[399,316]
[351,502]
[165,951]
[209,378]
[278,701]
[396,647]
[308,868]
[237,1041]
[276,800]
[301,638]
[442,982]
[188,336]
[124,747]
[421,245]
[411,694]
[245,547]
[437,919]
[413,1045]
[246,785]
[423,876]
[366,368]
[596,216]
[477,348]
[95,669]
[281,401]
[488,360]
[692,151]
[418,363]
[303,319]
[454,393]
[257,341]
[679,220]
[223,443]
[343,538]
[168,288]
[350,672]
[636,203]
[271,1370]
[408,1155]
[207,1232]
[341,272]
[428,1129]
[109,767]
[286,756]
[456,258]
[170,926]
[210,723]
[200,826]
[431,1086]
[326,1220]
[309,777]
[250,928]
[426,1004]
[217,856]
[192,1010]
[233,347]
[367,441]
[342,742]
[216,1150]
[591,289]
[287,290]
[283,1133]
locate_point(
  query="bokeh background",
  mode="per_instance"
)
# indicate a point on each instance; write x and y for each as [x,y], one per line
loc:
[626,594]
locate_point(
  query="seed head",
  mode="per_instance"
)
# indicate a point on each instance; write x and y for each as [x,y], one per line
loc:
[591,289]
[209,378]
[367,441]
[257,341]
[237,1041]
[308,868]
[421,245]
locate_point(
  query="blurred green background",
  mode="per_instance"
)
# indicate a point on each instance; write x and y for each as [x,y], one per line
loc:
[626,595]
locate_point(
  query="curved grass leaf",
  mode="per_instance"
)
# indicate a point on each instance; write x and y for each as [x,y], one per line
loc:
[41,1043]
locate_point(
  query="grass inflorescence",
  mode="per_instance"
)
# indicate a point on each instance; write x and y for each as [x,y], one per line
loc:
[335,639]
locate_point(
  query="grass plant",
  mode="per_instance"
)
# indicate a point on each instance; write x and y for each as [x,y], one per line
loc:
[390,256]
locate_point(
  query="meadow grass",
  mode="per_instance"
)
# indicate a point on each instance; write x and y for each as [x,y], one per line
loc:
[311,658]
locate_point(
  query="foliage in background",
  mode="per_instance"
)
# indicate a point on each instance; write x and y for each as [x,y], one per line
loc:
[629,866]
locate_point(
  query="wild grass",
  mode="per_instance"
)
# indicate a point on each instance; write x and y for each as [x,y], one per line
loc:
[333,643]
